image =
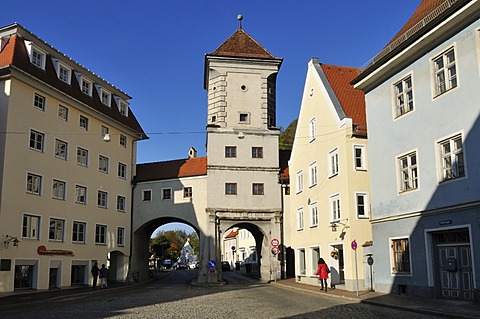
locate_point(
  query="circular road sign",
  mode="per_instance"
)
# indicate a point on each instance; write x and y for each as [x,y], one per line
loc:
[275,242]
[275,251]
[354,245]
[212,263]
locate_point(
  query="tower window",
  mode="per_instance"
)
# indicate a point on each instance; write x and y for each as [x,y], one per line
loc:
[244,118]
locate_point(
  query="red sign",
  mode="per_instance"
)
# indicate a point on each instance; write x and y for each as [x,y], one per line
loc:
[354,245]
[275,242]
[275,251]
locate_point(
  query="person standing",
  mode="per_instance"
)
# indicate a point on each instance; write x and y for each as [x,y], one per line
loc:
[94,272]
[322,273]
[103,277]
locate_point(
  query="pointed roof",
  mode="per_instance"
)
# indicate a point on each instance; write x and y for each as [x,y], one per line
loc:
[242,45]
[351,100]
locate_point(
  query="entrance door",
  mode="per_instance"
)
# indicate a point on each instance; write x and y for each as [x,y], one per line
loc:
[456,280]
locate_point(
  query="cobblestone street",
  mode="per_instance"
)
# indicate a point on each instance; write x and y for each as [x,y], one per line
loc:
[174,297]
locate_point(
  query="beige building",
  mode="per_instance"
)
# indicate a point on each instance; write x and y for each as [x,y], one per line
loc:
[328,205]
[67,156]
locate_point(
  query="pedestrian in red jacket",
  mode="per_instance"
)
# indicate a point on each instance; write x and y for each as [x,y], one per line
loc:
[322,273]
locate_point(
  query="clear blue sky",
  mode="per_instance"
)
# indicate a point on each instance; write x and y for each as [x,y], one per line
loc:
[154,50]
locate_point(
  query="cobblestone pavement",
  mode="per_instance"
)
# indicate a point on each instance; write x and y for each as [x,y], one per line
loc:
[174,297]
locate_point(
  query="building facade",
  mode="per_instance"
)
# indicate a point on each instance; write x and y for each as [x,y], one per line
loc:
[328,209]
[422,113]
[67,156]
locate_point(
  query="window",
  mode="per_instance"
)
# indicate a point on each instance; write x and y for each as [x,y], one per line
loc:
[451,155]
[333,162]
[244,118]
[302,268]
[39,102]
[102,199]
[82,156]
[230,151]
[104,131]
[123,140]
[403,96]
[313,214]
[257,152]
[315,255]
[123,108]
[103,164]
[121,203]
[80,194]
[120,236]
[359,157]
[257,189]
[230,188]
[64,74]
[335,208]
[187,192]
[401,255]
[166,193]
[147,195]
[30,227]
[34,184]
[78,232]
[312,169]
[299,182]
[361,204]
[313,129]
[106,97]
[55,230]
[300,219]
[63,113]
[37,56]
[85,86]
[122,170]
[58,189]
[61,148]
[36,140]
[445,72]
[101,234]
[408,172]
[84,122]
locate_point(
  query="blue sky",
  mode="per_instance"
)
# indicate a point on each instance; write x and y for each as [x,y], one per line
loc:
[154,50]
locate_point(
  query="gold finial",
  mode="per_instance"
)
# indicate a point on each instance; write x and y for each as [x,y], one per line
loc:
[240,18]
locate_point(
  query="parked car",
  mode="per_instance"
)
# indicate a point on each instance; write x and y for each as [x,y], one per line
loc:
[167,263]
[226,266]
[181,266]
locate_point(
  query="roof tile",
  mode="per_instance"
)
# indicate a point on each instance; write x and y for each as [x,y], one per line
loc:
[188,167]
[241,44]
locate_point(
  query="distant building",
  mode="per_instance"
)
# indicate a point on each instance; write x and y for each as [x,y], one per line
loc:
[422,94]
[67,155]
[328,206]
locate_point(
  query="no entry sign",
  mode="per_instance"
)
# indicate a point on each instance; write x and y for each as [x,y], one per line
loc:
[354,245]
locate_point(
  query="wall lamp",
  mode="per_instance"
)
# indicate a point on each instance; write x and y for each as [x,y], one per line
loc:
[11,239]
[342,222]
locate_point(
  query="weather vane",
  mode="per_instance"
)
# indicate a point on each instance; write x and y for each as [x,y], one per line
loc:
[240,18]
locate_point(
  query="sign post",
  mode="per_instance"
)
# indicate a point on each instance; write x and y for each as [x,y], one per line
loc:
[275,242]
[354,247]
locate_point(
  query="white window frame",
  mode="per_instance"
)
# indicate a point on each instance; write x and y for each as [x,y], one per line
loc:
[37,56]
[299,182]
[121,236]
[313,209]
[403,96]
[122,170]
[60,67]
[57,232]
[38,140]
[123,140]
[408,179]
[101,232]
[81,194]
[83,122]
[61,149]
[147,198]
[103,164]
[166,190]
[302,261]
[34,184]
[312,130]
[448,163]
[82,158]
[88,87]
[335,208]
[122,105]
[102,199]
[187,192]
[362,206]
[121,203]
[445,71]
[395,272]
[63,113]
[300,219]
[59,189]
[362,158]
[312,174]
[79,232]
[31,226]
[333,163]
[105,96]
[39,101]
[315,254]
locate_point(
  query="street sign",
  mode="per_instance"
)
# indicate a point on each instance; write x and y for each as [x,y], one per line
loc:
[354,245]
[275,251]
[212,263]
[275,242]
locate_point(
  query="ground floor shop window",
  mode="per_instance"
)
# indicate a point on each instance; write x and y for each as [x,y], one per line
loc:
[23,277]
[78,275]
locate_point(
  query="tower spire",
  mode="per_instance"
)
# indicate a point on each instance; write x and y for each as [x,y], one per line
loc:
[240,18]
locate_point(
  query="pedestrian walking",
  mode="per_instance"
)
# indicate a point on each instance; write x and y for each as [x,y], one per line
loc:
[94,272]
[103,277]
[322,273]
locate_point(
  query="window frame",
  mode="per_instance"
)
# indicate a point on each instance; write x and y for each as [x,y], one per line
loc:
[230,152]
[450,80]
[300,218]
[394,254]
[244,117]
[56,233]
[312,174]
[81,192]
[82,158]
[257,152]
[39,102]
[122,170]
[362,158]
[31,226]
[79,236]
[167,193]
[63,115]
[56,194]
[408,177]
[103,164]
[187,192]
[105,97]
[37,56]
[101,232]
[333,163]
[335,208]
[312,130]
[302,261]
[403,96]
[299,182]
[102,199]
[34,184]
[38,146]
[365,205]
[258,189]
[121,203]
[121,236]
[231,188]
[86,85]
[452,161]
[83,122]
[123,141]
[313,210]
[147,198]
[58,149]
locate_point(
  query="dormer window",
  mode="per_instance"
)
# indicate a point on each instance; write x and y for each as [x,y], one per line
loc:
[85,84]
[122,106]
[36,55]
[64,73]
[106,97]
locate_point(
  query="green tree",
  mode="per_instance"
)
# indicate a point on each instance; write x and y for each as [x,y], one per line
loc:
[287,136]
[168,244]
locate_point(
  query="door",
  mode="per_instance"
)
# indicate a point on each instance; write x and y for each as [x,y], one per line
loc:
[455,267]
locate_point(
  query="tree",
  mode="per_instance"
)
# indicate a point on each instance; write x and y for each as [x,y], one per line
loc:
[287,137]
[168,244]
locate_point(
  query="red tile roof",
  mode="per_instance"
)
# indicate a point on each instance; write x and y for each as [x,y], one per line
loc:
[232,234]
[188,167]
[351,99]
[241,44]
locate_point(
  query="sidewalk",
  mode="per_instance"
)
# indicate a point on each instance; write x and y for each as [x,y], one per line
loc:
[437,307]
